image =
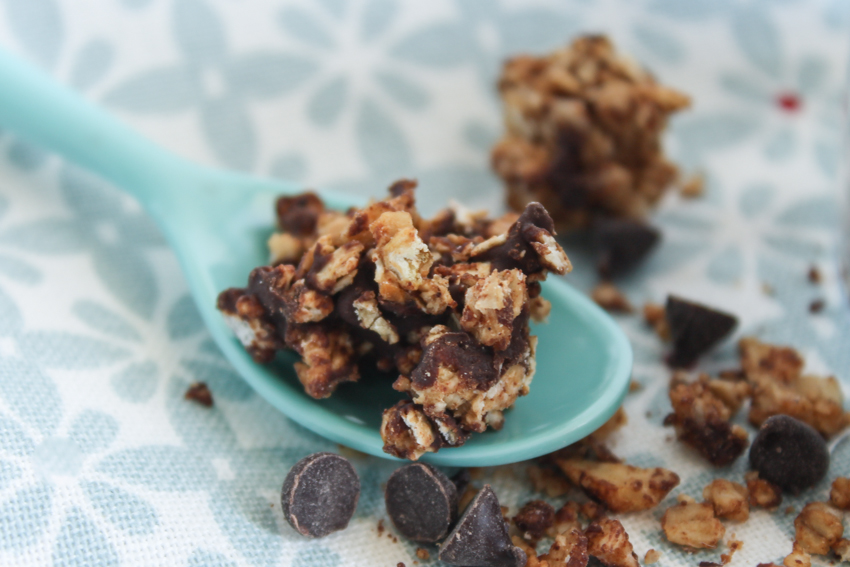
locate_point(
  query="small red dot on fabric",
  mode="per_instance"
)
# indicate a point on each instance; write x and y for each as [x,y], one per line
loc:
[789,102]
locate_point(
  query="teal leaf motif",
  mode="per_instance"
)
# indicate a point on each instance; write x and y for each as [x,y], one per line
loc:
[24,518]
[124,510]
[222,380]
[9,472]
[13,439]
[81,542]
[327,103]
[382,144]
[755,199]
[827,156]
[335,8]
[263,75]
[229,132]
[58,349]
[104,320]
[812,75]
[289,167]
[758,38]
[37,25]
[159,467]
[479,135]
[129,278]
[726,267]
[92,63]
[661,44]
[303,26]
[137,382]
[159,91]
[376,17]
[87,195]
[4,205]
[47,236]
[535,29]
[18,270]
[184,319]
[402,90]
[715,131]
[744,86]
[781,145]
[315,554]
[817,212]
[25,156]
[93,431]
[436,45]
[199,32]
[30,394]
[10,316]
[249,524]
[693,10]
[138,229]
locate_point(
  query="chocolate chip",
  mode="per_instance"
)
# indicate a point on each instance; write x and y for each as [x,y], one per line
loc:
[789,453]
[298,214]
[622,244]
[421,502]
[694,328]
[480,538]
[199,392]
[320,494]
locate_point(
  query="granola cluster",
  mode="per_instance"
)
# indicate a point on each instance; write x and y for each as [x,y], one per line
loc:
[443,302]
[583,133]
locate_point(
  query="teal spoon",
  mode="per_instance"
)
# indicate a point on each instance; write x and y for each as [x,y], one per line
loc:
[217,223]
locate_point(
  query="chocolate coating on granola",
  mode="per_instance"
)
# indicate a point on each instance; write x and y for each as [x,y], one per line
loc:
[480,538]
[789,453]
[421,502]
[320,494]
[444,302]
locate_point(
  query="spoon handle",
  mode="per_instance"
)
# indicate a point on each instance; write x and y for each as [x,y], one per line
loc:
[48,114]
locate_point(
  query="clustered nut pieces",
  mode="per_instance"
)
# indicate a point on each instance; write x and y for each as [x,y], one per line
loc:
[444,302]
[583,133]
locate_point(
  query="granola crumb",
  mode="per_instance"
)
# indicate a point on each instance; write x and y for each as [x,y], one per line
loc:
[734,545]
[608,541]
[693,186]
[635,386]
[380,528]
[816,306]
[762,493]
[818,527]
[797,558]
[768,289]
[814,275]
[609,297]
[200,393]
[790,510]
[839,493]
[534,519]
[729,499]
[655,317]
[652,556]
[422,553]
[692,525]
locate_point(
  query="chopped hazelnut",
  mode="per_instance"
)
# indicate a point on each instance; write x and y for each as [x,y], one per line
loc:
[692,525]
[656,317]
[609,297]
[620,487]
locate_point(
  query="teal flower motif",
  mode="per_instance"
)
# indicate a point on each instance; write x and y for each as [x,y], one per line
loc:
[50,472]
[211,80]
[14,267]
[105,224]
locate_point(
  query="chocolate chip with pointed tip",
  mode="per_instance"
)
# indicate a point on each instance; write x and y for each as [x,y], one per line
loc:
[695,329]
[622,244]
[421,502]
[789,453]
[320,494]
[480,538]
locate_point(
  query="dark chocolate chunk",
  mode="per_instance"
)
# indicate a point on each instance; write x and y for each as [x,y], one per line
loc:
[298,214]
[622,244]
[461,480]
[480,538]
[694,329]
[320,494]
[199,392]
[534,518]
[462,354]
[421,502]
[789,453]
[517,251]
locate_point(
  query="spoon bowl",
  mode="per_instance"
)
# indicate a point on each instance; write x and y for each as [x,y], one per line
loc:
[217,222]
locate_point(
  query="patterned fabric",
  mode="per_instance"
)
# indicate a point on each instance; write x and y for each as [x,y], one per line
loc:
[102,461]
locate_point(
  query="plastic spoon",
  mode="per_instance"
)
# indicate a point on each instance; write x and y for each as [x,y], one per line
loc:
[217,223]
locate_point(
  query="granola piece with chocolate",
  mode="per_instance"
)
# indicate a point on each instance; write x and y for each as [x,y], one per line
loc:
[583,133]
[608,542]
[445,302]
[692,525]
[780,387]
[620,487]
[701,420]
[534,519]
[762,493]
